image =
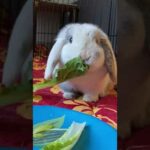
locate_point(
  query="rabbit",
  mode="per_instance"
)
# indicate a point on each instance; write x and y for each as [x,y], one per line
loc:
[93,46]
[19,55]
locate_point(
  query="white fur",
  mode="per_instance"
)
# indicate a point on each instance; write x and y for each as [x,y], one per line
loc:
[86,42]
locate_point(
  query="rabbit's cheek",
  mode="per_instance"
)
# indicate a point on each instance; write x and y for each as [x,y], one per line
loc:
[69,52]
[85,56]
[96,61]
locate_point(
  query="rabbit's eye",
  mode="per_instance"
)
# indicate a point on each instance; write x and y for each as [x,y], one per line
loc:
[70,39]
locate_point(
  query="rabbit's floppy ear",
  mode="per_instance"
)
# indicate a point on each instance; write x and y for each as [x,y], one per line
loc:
[55,52]
[53,58]
[110,60]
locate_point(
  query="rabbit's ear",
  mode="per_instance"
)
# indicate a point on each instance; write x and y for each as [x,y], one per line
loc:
[110,60]
[53,58]
[55,52]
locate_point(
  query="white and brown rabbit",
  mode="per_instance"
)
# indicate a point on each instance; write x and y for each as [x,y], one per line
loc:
[93,46]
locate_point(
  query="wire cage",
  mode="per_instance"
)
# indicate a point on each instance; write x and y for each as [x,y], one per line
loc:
[51,15]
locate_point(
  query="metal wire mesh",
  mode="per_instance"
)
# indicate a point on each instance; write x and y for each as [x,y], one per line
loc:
[51,15]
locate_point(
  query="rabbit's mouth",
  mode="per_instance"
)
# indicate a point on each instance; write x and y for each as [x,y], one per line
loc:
[86,59]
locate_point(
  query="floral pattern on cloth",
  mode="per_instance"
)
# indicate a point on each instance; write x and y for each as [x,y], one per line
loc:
[105,108]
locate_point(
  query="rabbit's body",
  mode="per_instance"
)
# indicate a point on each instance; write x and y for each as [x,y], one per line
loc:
[92,84]
[93,46]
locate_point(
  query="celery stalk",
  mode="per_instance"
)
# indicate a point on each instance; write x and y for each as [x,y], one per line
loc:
[73,68]
[68,140]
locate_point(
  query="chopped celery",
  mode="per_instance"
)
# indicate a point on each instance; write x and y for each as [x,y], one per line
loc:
[68,140]
[47,125]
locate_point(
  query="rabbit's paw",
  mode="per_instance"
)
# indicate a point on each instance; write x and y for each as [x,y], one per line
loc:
[90,97]
[69,95]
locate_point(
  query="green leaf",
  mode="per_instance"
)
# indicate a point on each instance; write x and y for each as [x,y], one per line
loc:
[38,135]
[47,125]
[73,68]
[42,128]
[45,84]
[68,140]
[47,136]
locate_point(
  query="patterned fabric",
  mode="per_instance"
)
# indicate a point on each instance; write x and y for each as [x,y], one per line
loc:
[104,109]
[16,122]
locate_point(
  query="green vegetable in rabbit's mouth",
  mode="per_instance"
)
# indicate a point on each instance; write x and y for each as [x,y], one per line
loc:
[73,68]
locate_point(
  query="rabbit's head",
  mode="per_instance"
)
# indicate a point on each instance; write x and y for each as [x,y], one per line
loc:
[84,40]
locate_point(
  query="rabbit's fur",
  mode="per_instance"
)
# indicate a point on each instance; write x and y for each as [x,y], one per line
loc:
[93,46]
[134,70]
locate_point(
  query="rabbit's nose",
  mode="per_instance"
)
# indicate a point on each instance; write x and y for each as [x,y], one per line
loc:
[85,57]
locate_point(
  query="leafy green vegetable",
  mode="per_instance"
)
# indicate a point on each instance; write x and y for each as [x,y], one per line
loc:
[38,135]
[73,68]
[42,128]
[45,84]
[47,136]
[46,126]
[68,140]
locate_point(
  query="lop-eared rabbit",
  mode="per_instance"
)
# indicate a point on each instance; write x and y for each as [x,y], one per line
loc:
[93,46]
